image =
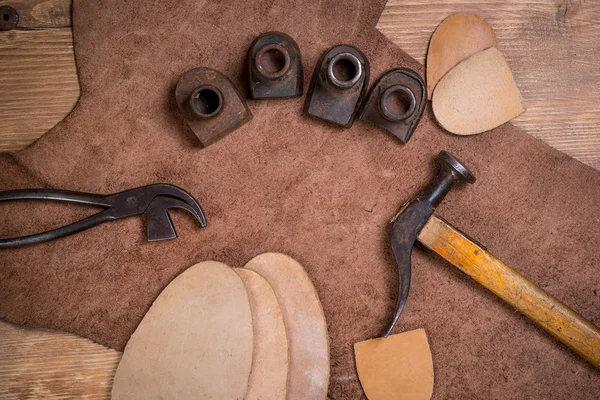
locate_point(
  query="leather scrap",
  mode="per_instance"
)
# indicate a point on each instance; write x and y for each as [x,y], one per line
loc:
[477,95]
[397,367]
[270,360]
[179,348]
[305,324]
[455,39]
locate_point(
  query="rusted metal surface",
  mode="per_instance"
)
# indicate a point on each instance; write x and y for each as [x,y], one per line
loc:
[338,85]
[210,104]
[396,103]
[275,67]
[412,217]
[9,18]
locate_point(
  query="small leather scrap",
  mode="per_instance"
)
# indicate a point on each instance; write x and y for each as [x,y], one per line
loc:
[397,367]
[455,39]
[477,95]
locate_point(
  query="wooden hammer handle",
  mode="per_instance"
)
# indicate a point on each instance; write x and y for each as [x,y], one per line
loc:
[559,320]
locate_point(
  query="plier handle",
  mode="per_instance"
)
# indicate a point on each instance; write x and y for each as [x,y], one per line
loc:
[153,201]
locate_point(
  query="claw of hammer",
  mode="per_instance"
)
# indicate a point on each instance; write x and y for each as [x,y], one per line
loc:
[413,216]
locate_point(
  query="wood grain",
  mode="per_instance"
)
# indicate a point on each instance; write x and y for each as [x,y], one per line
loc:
[35,14]
[553,48]
[542,308]
[38,82]
[53,365]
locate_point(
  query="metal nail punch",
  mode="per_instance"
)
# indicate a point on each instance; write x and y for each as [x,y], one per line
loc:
[153,201]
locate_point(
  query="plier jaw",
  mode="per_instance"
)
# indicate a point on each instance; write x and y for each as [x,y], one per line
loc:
[159,225]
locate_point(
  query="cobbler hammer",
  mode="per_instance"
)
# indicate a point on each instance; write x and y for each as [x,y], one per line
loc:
[415,221]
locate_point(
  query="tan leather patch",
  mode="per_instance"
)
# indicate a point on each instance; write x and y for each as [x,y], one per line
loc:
[397,367]
[270,361]
[195,341]
[455,39]
[477,95]
[305,324]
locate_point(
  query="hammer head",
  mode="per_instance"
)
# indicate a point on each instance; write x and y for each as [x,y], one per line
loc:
[412,217]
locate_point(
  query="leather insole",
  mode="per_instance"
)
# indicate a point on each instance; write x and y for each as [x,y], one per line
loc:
[195,342]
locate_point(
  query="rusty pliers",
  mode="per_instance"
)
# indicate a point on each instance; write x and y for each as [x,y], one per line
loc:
[153,201]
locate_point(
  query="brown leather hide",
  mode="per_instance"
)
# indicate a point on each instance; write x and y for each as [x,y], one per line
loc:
[286,182]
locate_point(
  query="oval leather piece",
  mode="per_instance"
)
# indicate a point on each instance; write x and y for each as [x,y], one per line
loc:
[304,321]
[195,341]
[455,39]
[477,95]
[270,361]
[397,367]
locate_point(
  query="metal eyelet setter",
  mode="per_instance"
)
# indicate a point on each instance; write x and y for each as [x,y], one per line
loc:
[407,97]
[275,67]
[338,85]
[344,79]
[396,102]
[210,104]
[206,101]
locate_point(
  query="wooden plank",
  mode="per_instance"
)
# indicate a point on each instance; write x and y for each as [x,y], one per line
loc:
[53,365]
[35,14]
[553,48]
[39,84]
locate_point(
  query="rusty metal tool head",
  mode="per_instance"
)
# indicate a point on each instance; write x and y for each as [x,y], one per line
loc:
[153,201]
[275,67]
[413,216]
[210,104]
[396,102]
[338,85]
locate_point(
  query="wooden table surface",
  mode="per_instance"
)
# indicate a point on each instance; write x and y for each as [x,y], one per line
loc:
[552,46]
[43,364]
